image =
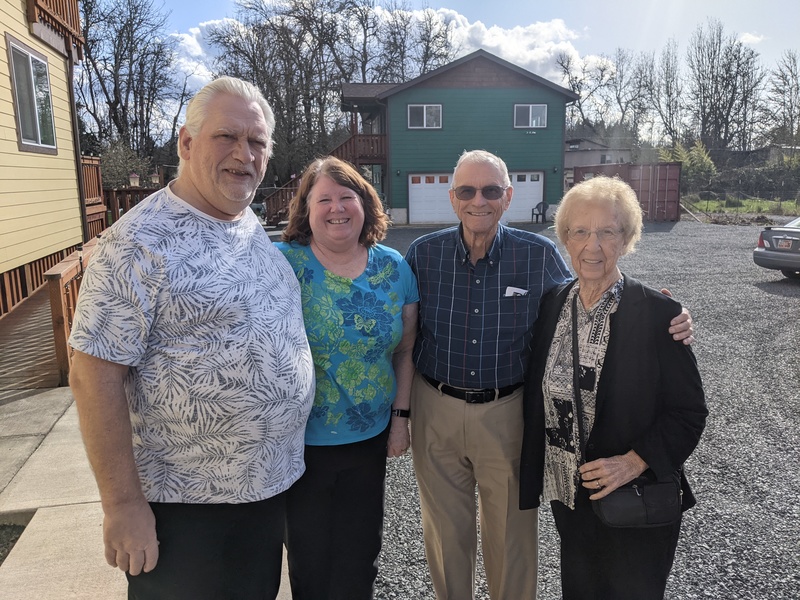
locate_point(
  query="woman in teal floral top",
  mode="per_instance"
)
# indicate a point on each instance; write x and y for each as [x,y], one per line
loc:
[360,305]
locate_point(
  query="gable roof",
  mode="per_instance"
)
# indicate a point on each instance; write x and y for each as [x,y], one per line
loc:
[364,93]
[571,96]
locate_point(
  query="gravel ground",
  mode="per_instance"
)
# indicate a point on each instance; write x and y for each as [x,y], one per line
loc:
[742,540]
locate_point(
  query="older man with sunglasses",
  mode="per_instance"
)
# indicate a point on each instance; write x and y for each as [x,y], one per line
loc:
[480,284]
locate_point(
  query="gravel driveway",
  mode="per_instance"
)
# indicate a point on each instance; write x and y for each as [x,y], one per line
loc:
[742,540]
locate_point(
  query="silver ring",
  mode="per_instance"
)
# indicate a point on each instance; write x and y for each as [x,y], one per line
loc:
[599,485]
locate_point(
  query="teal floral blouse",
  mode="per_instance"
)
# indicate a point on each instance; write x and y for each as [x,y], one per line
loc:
[353,327]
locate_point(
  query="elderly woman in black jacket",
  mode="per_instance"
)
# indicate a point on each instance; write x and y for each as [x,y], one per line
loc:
[638,391]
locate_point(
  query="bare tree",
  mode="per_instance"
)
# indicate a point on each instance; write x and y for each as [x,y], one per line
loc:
[625,96]
[665,91]
[783,101]
[432,42]
[725,83]
[395,34]
[588,80]
[125,87]
[299,52]
[361,38]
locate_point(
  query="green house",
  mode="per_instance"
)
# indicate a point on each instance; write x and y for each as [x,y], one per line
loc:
[410,135]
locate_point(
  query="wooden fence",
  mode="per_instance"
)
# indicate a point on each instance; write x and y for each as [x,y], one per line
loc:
[120,201]
[64,282]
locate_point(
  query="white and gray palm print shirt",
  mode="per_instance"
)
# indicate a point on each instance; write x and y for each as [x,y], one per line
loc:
[207,314]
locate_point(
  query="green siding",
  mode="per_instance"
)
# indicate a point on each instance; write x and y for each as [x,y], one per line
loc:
[475,119]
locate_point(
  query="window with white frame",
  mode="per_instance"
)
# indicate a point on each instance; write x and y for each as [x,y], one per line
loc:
[530,115]
[424,116]
[33,103]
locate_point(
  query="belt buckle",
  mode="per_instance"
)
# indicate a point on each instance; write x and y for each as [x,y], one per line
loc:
[475,396]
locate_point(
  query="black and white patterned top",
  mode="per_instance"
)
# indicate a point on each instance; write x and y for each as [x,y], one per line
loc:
[207,314]
[562,447]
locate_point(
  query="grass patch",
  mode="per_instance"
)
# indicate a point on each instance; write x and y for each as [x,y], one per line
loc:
[736,204]
[9,534]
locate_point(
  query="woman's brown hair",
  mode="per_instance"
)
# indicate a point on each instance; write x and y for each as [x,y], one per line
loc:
[376,221]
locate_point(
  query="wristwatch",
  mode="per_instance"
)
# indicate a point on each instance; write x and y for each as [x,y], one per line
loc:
[401,412]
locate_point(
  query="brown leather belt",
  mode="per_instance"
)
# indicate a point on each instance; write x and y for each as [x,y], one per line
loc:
[472,396]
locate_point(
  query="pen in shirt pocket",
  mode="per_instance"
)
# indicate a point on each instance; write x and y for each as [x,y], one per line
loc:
[512,292]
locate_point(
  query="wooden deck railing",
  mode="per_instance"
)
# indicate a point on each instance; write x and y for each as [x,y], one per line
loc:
[92,180]
[63,16]
[276,206]
[93,195]
[362,149]
[120,201]
[64,282]
[359,150]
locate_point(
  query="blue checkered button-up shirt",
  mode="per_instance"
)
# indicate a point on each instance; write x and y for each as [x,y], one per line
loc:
[476,321]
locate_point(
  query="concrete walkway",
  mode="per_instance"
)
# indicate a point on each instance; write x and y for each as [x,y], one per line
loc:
[46,483]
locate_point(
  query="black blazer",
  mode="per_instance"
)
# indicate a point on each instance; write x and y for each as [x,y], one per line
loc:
[649,397]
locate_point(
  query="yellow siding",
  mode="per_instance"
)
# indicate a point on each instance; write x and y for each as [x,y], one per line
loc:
[39,202]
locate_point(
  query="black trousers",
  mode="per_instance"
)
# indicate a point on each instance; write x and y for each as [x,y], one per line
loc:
[611,563]
[215,552]
[334,521]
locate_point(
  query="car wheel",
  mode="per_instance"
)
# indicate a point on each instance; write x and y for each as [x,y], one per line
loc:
[791,274]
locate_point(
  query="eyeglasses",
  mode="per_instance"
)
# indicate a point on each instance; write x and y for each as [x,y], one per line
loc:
[603,235]
[490,192]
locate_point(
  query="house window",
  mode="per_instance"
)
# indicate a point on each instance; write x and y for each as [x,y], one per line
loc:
[30,84]
[530,115]
[605,159]
[424,116]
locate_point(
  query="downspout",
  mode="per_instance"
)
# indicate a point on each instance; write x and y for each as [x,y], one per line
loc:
[387,171]
[76,139]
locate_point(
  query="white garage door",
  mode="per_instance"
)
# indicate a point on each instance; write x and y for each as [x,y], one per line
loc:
[429,200]
[528,192]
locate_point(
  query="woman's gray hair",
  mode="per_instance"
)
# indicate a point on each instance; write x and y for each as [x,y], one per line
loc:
[483,157]
[197,109]
[610,192]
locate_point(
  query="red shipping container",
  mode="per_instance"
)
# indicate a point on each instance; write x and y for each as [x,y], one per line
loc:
[657,185]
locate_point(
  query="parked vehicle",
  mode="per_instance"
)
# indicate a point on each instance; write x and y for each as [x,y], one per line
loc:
[779,248]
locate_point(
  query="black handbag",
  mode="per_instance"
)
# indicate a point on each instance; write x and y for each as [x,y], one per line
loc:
[643,502]
[640,503]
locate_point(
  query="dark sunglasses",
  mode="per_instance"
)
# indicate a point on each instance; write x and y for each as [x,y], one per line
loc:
[490,192]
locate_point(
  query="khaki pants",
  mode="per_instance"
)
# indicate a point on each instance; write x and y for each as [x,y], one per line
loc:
[455,446]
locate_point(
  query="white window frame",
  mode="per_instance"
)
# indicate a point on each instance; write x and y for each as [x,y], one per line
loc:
[533,122]
[425,116]
[30,77]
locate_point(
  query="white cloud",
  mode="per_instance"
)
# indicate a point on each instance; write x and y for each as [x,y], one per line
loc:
[533,47]
[195,54]
[751,39]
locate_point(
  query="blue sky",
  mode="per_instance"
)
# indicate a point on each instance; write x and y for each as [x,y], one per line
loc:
[512,27]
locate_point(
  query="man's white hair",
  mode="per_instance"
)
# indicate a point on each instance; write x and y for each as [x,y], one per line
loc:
[197,109]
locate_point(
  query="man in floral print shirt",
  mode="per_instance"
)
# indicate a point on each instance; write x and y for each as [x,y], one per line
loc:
[192,372]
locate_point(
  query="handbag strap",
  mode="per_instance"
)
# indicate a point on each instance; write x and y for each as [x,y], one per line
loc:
[576,389]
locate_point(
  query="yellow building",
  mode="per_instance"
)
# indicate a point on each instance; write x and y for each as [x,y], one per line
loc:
[42,204]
